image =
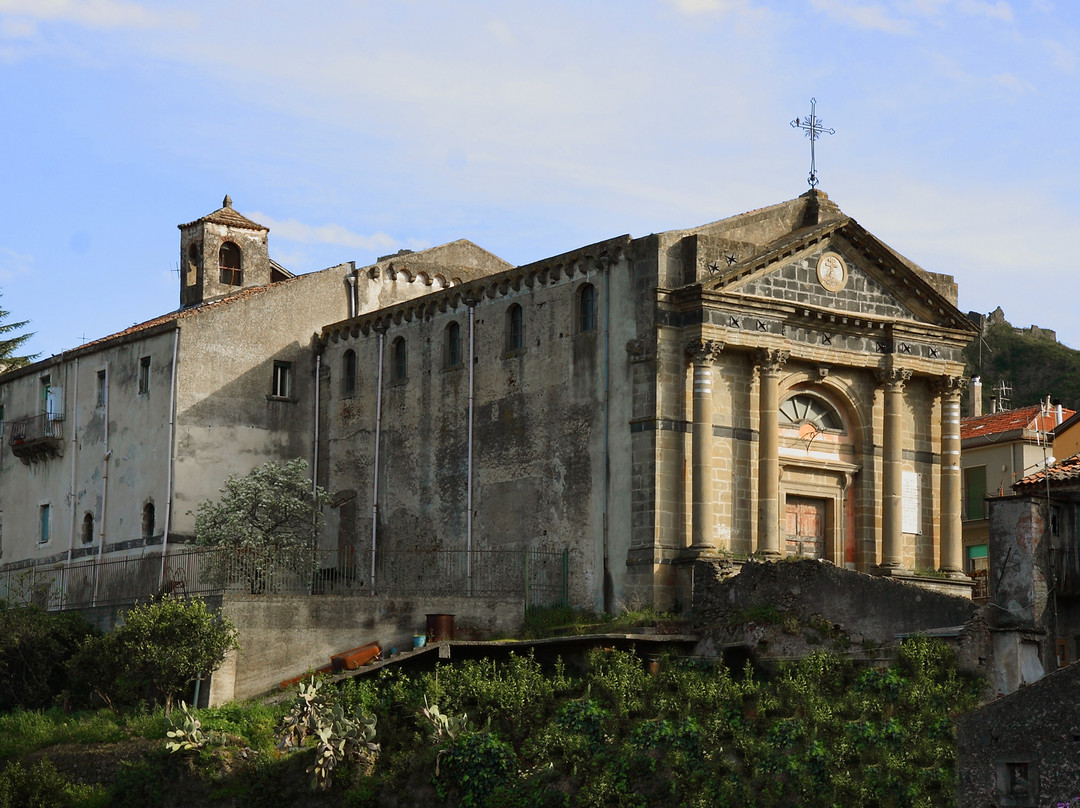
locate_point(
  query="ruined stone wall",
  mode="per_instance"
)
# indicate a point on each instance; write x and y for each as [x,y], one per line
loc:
[1020,750]
[873,608]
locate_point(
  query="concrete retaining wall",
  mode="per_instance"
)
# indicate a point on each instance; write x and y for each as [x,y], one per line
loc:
[283,636]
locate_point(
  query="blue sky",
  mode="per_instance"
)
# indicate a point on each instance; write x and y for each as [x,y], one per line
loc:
[353,129]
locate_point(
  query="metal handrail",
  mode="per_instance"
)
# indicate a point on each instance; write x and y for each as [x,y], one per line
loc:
[538,576]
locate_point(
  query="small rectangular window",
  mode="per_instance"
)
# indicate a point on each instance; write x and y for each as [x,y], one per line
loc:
[282,383]
[144,375]
[101,388]
[1,420]
[44,513]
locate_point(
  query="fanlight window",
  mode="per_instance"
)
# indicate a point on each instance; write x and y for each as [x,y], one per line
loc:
[802,409]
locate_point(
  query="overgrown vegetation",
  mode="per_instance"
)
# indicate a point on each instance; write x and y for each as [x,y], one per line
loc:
[161,648]
[157,653]
[562,621]
[34,648]
[822,732]
[1035,366]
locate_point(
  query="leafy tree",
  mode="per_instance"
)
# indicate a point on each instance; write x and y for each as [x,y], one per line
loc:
[273,505]
[165,644]
[10,342]
[34,647]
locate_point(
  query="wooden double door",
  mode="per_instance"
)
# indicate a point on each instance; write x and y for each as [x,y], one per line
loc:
[805,526]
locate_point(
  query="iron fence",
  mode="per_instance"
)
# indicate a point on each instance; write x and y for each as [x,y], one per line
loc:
[537,576]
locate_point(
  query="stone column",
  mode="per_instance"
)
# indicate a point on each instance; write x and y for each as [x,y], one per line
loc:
[769,364]
[892,477]
[952,543]
[703,355]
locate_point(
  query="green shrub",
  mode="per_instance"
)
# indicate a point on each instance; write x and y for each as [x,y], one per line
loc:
[475,765]
[42,786]
[35,646]
[160,650]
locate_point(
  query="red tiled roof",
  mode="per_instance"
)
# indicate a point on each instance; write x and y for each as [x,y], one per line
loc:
[227,216]
[1067,470]
[243,294]
[999,423]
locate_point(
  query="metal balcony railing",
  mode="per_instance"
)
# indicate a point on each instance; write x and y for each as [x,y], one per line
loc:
[36,437]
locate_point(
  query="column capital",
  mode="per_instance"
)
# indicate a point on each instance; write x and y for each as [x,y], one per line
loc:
[770,360]
[946,386]
[704,351]
[893,377]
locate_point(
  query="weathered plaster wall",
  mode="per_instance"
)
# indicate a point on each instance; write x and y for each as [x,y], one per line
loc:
[227,420]
[74,485]
[281,637]
[540,426]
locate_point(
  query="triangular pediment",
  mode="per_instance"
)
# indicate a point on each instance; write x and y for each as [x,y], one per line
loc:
[839,267]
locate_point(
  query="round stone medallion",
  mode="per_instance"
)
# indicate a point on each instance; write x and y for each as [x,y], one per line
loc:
[832,272]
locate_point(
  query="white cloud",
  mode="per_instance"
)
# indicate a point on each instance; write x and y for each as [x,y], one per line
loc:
[999,10]
[1013,84]
[17,28]
[868,16]
[695,7]
[89,13]
[297,231]
[1063,58]
[13,263]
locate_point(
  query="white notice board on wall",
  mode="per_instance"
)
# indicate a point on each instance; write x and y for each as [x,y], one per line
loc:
[912,508]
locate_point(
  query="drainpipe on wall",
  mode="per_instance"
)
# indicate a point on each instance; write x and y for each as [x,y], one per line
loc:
[353,299]
[74,449]
[315,452]
[172,454]
[469,453]
[375,469]
[74,452]
[104,489]
[607,582]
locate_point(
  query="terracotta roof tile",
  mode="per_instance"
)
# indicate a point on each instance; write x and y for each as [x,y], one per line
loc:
[999,423]
[1066,471]
[192,311]
[227,216]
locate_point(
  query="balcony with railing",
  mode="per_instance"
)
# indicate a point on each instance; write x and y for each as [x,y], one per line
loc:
[37,437]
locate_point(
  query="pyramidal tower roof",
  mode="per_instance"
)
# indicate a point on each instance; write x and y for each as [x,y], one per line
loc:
[226,215]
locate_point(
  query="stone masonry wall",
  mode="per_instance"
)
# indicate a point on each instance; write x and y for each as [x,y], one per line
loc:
[1021,750]
[876,608]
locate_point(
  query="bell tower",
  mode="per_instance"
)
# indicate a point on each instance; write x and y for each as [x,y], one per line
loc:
[222,253]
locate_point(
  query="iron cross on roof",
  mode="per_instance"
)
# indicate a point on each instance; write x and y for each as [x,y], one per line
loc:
[813,128]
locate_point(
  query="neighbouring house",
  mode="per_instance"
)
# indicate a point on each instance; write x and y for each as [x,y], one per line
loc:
[1034,573]
[997,450]
[109,447]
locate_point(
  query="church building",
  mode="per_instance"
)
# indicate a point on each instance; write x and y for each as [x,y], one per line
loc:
[779,383]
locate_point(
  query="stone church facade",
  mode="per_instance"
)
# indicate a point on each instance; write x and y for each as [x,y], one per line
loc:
[777,383]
